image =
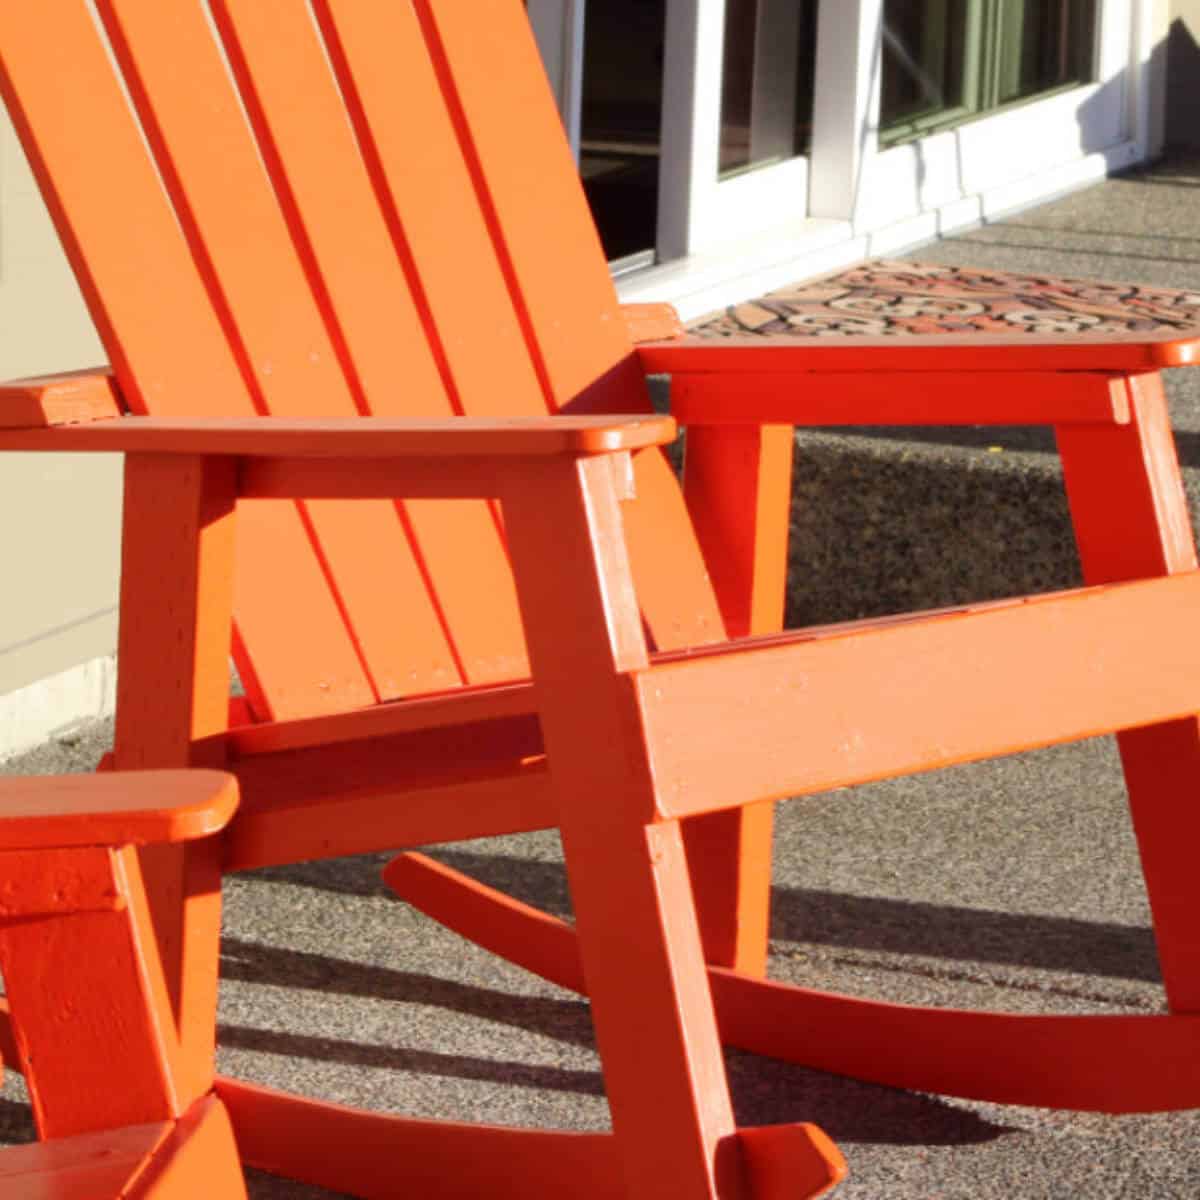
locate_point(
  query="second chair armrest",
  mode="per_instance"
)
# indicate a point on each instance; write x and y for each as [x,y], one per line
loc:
[76,397]
[118,809]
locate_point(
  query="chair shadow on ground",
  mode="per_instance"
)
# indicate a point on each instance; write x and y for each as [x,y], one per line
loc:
[764,1091]
[824,918]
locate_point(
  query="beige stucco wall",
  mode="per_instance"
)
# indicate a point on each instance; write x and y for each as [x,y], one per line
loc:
[59,514]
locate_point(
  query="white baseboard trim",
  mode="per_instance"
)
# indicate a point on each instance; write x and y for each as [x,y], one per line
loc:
[35,713]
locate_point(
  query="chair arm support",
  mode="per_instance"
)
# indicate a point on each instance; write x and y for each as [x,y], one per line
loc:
[117,809]
[76,397]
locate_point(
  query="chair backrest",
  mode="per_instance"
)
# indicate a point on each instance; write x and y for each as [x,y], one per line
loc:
[330,207]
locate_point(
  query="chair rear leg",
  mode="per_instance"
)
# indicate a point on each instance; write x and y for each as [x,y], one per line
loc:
[1131,520]
[738,484]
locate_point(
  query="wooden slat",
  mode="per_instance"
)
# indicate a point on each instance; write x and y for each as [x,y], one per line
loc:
[217,175]
[114,810]
[66,1168]
[145,294]
[382,814]
[561,285]
[412,148]
[450,708]
[119,232]
[853,708]
[366,300]
[527,178]
[902,398]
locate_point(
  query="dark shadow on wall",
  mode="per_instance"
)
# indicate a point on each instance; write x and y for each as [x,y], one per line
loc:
[1183,86]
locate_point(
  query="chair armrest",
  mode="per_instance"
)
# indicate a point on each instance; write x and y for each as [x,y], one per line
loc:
[353,437]
[117,809]
[73,398]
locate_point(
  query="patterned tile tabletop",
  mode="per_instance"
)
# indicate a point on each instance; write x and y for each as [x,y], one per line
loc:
[903,298]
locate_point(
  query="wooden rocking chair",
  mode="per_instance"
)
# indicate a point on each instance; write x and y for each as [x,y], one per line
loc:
[369,227]
[123,1112]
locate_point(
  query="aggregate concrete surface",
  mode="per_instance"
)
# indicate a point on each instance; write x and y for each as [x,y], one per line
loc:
[1011,885]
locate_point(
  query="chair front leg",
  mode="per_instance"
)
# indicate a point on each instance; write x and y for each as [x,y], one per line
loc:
[177,566]
[1131,521]
[628,876]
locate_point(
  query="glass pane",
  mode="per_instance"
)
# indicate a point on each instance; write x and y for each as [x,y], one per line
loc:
[926,60]
[1044,44]
[621,120]
[945,61]
[767,83]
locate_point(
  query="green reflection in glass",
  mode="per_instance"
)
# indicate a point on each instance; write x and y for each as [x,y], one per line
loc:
[767,82]
[947,61]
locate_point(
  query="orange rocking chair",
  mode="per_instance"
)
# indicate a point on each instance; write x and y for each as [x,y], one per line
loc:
[338,251]
[125,1110]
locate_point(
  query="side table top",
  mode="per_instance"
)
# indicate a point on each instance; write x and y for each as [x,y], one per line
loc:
[892,299]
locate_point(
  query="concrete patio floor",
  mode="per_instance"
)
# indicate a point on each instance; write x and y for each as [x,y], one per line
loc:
[1011,885]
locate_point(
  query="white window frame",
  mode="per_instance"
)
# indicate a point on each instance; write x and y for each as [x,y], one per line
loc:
[698,210]
[849,199]
[956,176]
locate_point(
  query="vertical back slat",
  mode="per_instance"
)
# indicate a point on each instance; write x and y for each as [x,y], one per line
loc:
[260,270]
[412,150]
[377,306]
[562,288]
[152,310]
[527,178]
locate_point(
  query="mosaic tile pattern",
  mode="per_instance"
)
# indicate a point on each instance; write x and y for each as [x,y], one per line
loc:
[887,298]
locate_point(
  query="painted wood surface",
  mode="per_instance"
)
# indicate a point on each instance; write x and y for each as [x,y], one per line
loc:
[354,438]
[919,397]
[1131,520]
[218,257]
[945,690]
[76,397]
[155,806]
